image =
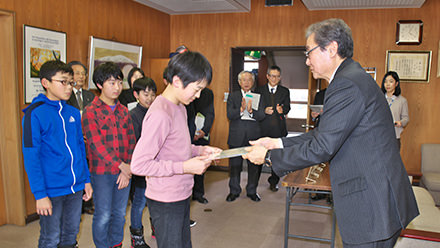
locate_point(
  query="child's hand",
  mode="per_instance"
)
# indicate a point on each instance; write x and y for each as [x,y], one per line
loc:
[196,165]
[88,192]
[122,181]
[44,206]
[210,150]
[125,169]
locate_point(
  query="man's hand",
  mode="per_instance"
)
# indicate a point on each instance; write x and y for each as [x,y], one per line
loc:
[122,181]
[243,105]
[44,206]
[280,109]
[199,134]
[125,169]
[268,110]
[249,106]
[256,154]
[196,165]
[88,192]
[268,143]
[314,114]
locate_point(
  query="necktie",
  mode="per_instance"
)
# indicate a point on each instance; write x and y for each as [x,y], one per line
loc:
[272,98]
[79,99]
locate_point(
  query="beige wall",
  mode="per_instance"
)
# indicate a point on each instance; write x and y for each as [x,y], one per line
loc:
[118,20]
[374,32]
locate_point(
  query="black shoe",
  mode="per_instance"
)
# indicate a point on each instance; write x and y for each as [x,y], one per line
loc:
[254,197]
[273,188]
[200,199]
[192,223]
[231,197]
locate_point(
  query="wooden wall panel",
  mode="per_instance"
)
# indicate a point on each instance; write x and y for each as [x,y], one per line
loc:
[119,20]
[373,34]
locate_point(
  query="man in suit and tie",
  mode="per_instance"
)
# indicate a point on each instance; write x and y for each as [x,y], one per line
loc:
[80,97]
[372,195]
[276,100]
[243,126]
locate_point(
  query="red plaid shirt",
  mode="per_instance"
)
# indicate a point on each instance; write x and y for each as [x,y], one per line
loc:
[110,138]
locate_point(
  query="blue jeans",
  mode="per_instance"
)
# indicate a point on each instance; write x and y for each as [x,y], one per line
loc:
[61,228]
[171,223]
[110,209]
[137,208]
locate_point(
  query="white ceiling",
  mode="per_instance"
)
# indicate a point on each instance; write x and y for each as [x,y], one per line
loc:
[182,7]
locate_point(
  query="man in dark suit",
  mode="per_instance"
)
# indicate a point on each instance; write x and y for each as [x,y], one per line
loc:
[276,100]
[372,195]
[80,97]
[205,106]
[243,126]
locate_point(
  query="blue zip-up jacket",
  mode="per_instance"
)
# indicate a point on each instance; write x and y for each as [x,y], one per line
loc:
[53,148]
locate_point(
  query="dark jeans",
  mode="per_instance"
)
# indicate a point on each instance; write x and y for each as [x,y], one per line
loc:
[137,207]
[110,208]
[171,223]
[61,228]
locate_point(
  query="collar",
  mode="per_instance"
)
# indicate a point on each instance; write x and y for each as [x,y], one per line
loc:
[244,93]
[76,90]
[337,68]
[270,88]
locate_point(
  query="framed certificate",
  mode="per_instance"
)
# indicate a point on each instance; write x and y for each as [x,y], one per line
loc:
[409,32]
[412,66]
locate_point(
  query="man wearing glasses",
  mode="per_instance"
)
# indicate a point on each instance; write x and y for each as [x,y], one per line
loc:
[80,97]
[372,195]
[276,100]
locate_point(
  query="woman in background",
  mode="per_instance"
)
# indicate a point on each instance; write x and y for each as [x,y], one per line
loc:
[397,103]
[127,96]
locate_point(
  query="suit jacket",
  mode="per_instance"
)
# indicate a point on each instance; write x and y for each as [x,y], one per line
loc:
[205,105]
[274,125]
[241,131]
[373,197]
[87,97]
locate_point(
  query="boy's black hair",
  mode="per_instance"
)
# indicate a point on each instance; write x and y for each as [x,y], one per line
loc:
[105,71]
[74,62]
[165,72]
[130,75]
[52,67]
[144,83]
[189,67]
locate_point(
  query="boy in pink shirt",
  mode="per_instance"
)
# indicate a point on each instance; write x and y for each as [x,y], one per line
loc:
[165,155]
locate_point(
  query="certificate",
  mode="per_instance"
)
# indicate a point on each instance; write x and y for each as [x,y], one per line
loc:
[235,152]
[316,108]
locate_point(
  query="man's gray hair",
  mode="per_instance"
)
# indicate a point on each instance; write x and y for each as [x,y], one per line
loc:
[243,72]
[333,30]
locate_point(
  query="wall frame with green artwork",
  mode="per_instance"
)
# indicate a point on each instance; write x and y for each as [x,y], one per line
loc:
[39,46]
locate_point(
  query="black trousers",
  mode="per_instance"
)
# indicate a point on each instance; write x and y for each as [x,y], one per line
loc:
[235,169]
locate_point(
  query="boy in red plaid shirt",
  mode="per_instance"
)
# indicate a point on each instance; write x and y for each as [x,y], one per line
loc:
[110,143]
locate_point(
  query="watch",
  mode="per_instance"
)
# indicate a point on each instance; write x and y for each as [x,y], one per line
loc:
[267,160]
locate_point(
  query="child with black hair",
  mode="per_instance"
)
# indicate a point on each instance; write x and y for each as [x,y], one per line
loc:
[164,153]
[110,143]
[144,90]
[55,159]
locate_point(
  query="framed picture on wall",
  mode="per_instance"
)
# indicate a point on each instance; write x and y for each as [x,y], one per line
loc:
[40,45]
[126,56]
[412,66]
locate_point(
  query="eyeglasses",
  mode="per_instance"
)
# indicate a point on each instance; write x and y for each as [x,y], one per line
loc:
[65,82]
[309,51]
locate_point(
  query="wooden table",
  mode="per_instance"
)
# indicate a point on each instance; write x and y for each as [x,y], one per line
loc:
[296,182]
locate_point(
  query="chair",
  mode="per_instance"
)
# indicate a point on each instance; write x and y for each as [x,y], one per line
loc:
[431,170]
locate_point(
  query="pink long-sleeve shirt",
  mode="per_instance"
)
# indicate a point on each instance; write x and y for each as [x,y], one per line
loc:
[164,145]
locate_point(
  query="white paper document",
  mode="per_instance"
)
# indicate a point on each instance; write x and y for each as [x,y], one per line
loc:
[230,153]
[316,108]
[255,99]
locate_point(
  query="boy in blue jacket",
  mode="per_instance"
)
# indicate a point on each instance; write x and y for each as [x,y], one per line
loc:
[55,158]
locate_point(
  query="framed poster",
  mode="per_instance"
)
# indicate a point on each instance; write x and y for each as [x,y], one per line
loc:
[40,45]
[126,56]
[412,66]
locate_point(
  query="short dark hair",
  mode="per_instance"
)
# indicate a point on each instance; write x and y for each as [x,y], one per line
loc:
[333,30]
[144,83]
[274,67]
[52,67]
[74,62]
[189,67]
[105,71]
[130,75]
[393,74]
